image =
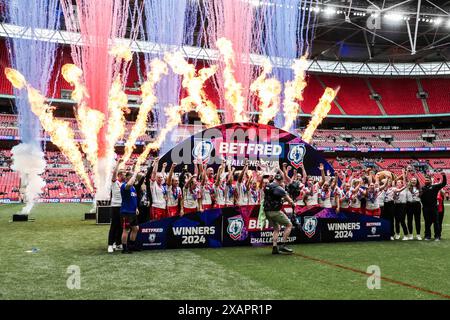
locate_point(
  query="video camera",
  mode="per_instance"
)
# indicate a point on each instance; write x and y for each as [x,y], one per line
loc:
[293,189]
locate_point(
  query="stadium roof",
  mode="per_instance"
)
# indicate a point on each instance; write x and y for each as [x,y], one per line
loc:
[363,37]
[383,31]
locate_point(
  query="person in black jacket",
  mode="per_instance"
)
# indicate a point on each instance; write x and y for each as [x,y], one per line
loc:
[428,198]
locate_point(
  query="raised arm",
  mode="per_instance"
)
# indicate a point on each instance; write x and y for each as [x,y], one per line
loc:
[219,173]
[230,176]
[163,169]
[356,189]
[155,169]
[322,172]
[405,176]
[132,180]
[384,185]
[195,167]
[243,171]
[169,178]
[286,170]
[443,182]
[116,170]
[304,175]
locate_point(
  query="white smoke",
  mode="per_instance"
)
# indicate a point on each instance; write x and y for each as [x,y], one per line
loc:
[28,160]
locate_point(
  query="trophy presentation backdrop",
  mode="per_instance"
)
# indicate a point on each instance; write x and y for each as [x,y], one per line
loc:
[263,146]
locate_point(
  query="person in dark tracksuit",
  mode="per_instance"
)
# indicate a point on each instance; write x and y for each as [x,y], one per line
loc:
[388,212]
[428,198]
[400,210]
[441,207]
[414,208]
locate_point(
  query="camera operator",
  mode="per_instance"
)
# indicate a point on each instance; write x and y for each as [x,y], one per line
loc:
[274,195]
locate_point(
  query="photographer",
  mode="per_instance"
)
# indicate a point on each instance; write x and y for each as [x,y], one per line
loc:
[274,195]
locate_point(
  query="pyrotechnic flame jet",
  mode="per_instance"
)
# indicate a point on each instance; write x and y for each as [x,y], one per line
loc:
[293,92]
[173,120]
[233,89]
[60,132]
[122,52]
[157,69]
[319,113]
[268,92]
[89,120]
[196,98]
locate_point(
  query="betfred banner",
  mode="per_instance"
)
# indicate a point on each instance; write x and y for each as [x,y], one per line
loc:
[235,142]
[238,226]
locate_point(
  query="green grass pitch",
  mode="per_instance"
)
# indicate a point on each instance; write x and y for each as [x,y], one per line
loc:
[417,270]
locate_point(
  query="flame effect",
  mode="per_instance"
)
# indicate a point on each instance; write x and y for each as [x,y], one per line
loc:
[116,126]
[293,92]
[90,121]
[233,89]
[122,52]
[149,99]
[173,119]
[16,78]
[268,92]
[196,98]
[319,113]
[60,132]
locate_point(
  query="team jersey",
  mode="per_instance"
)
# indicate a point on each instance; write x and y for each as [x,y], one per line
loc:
[229,195]
[312,195]
[400,197]
[333,195]
[389,195]
[129,200]
[345,198]
[355,199]
[380,198]
[116,198]
[219,192]
[207,193]
[324,198]
[159,195]
[372,199]
[191,198]
[242,194]
[254,196]
[415,194]
[299,200]
[173,197]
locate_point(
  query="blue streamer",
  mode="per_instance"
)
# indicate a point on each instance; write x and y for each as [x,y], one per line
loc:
[33,58]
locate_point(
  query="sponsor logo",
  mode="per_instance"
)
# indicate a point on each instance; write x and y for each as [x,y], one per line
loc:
[152,230]
[242,148]
[151,237]
[373,224]
[296,154]
[255,225]
[309,226]
[373,230]
[235,227]
[202,150]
